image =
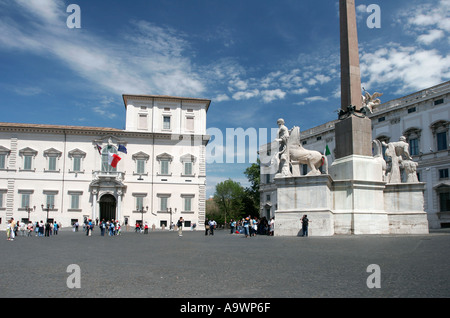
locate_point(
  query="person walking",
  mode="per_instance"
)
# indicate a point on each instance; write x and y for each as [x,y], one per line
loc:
[12,232]
[102,227]
[246,224]
[8,230]
[47,229]
[41,228]
[89,227]
[111,229]
[55,228]
[30,228]
[305,222]
[180,226]
[272,226]
[212,226]
[206,226]
[232,226]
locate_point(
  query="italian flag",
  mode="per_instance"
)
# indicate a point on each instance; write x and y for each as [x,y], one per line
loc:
[113,159]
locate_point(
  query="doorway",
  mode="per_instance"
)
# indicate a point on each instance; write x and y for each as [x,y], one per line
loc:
[107,207]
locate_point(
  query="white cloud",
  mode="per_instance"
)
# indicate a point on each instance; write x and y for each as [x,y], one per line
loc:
[271,95]
[156,65]
[432,18]
[323,78]
[300,91]
[316,99]
[246,94]
[238,84]
[221,98]
[432,36]
[406,68]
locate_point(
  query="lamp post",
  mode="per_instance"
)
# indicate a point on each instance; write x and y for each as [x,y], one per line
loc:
[28,209]
[141,209]
[47,208]
[170,211]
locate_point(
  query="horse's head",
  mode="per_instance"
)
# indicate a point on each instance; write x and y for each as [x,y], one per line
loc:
[294,136]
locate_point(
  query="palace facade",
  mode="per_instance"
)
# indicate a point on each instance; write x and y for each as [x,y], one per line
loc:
[63,173]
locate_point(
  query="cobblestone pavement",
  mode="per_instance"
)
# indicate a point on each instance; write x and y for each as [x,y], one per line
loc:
[162,264]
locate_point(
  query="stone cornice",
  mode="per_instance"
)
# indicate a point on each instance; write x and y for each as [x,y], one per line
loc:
[96,131]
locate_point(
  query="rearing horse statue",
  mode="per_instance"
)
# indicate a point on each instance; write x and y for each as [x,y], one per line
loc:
[312,158]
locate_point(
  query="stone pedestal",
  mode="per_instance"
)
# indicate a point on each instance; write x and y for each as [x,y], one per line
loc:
[404,206]
[297,196]
[358,196]
[353,136]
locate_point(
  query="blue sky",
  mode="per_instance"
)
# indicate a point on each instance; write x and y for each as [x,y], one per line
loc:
[257,60]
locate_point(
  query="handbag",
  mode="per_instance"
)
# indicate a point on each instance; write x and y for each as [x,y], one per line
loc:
[207,227]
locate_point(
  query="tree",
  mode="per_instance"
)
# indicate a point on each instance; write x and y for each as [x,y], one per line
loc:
[229,197]
[253,198]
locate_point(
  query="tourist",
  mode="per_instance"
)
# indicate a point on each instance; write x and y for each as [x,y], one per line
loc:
[232,226]
[29,228]
[305,222]
[180,226]
[47,229]
[89,227]
[55,228]
[111,229]
[212,226]
[246,224]
[146,228]
[12,233]
[254,224]
[272,226]
[206,226]
[8,230]
[102,227]
[22,228]
[41,228]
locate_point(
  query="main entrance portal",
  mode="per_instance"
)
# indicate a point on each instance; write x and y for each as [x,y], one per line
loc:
[107,207]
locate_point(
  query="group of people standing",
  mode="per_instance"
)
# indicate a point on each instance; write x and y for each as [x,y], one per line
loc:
[40,228]
[210,226]
[248,226]
[252,226]
[111,227]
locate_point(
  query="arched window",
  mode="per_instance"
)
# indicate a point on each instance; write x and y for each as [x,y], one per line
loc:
[440,134]
[106,167]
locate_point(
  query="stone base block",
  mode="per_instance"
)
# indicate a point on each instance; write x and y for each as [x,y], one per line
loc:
[287,223]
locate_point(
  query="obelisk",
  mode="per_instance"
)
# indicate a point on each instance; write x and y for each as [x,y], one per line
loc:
[354,133]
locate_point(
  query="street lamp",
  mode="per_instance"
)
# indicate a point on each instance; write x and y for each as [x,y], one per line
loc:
[47,208]
[170,211]
[141,209]
[29,209]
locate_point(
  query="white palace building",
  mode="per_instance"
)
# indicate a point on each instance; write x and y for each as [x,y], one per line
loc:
[422,117]
[62,173]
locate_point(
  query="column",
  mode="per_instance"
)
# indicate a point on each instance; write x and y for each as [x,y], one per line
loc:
[94,204]
[119,208]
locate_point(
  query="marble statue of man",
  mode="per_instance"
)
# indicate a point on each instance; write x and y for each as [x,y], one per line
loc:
[399,152]
[282,134]
[401,148]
